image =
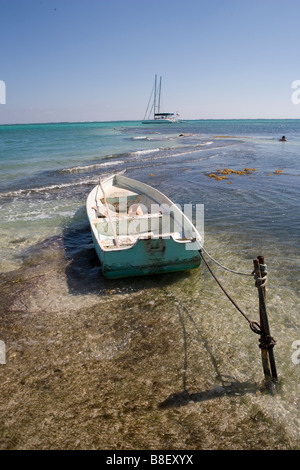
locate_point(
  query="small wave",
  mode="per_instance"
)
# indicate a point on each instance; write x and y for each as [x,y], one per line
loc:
[76,169]
[145,152]
[54,187]
[42,189]
[213,156]
[184,152]
[153,139]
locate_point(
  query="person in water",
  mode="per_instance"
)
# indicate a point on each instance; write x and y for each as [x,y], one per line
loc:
[283,139]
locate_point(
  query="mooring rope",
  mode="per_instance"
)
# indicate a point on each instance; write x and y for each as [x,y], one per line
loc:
[261,281]
[254,326]
[266,341]
[224,267]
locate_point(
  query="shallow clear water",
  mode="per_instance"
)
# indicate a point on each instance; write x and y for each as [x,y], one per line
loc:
[46,173]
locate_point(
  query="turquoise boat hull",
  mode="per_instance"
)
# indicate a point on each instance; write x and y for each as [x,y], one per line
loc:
[147,257]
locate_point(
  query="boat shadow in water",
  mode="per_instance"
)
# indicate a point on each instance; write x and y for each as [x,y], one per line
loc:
[83,268]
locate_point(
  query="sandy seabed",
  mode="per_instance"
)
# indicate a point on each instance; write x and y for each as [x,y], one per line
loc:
[118,365]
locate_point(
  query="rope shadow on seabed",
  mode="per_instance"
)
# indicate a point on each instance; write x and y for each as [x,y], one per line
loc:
[229,385]
[232,389]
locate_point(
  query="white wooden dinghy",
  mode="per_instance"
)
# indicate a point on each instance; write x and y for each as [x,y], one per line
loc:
[137,230]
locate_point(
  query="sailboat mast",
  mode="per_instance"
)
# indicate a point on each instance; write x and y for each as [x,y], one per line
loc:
[154,105]
[158,116]
[159,92]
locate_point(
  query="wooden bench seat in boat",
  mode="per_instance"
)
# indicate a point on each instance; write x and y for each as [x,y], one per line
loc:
[119,193]
[125,240]
[124,216]
[133,225]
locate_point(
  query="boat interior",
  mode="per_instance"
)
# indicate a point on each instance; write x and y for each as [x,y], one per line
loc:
[122,216]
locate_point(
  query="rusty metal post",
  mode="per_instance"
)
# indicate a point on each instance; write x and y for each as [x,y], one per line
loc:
[266,341]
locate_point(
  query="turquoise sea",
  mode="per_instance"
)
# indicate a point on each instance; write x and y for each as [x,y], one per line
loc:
[46,173]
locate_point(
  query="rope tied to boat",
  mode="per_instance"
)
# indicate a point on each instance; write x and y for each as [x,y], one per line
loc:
[254,326]
[224,267]
[266,341]
[261,281]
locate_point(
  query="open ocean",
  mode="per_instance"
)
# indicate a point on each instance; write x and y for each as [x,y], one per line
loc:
[50,273]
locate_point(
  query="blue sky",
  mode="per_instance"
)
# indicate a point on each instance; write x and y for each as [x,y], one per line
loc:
[90,60]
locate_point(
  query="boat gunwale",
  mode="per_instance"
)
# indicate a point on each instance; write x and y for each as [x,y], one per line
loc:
[120,179]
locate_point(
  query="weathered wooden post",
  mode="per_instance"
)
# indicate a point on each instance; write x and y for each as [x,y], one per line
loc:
[266,341]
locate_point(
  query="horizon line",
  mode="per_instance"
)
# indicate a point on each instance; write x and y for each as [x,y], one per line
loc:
[140,120]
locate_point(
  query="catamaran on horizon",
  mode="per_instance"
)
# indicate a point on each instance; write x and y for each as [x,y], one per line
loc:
[158,116]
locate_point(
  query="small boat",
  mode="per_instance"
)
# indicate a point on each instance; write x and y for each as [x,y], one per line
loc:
[158,116]
[137,230]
